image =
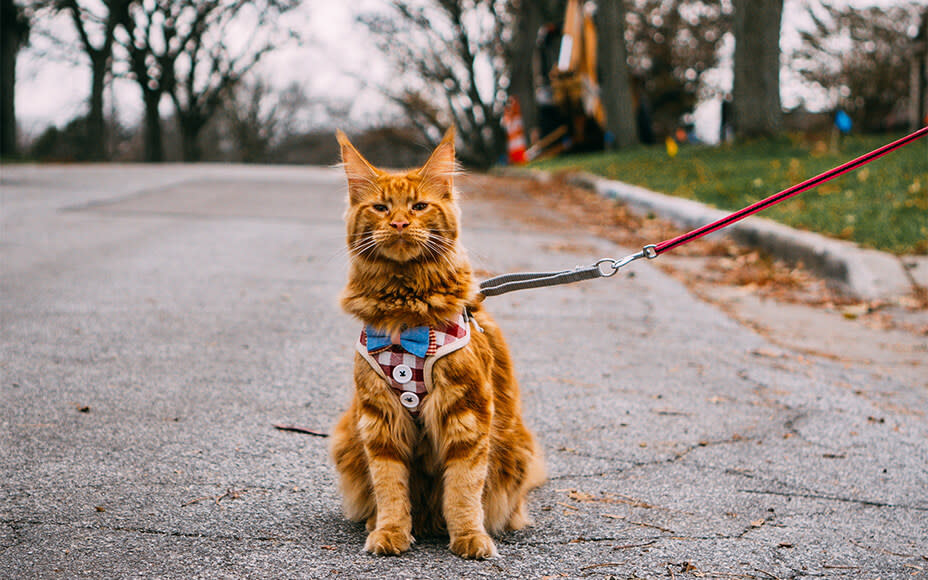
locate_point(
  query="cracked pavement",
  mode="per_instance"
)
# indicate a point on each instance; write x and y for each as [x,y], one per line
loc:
[158,321]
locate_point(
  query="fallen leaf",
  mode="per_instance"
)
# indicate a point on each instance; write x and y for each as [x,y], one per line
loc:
[580,496]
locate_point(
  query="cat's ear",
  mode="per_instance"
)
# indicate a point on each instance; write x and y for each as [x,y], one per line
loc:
[362,176]
[438,172]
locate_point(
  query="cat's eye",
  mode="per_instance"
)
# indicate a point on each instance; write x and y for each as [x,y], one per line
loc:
[419,206]
[380,207]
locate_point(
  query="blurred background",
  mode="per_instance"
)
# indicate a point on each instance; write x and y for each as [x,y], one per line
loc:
[267,81]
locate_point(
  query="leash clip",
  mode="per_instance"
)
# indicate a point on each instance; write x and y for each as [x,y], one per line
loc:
[607,267]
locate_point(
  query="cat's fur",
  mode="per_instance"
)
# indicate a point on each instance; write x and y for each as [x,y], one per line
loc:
[465,465]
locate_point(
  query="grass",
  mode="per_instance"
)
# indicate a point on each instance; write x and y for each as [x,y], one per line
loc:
[883,205]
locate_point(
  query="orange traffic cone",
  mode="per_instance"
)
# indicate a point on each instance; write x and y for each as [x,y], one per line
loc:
[512,122]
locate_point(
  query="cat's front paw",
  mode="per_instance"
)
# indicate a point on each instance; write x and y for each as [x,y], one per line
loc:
[388,541]
[475,546]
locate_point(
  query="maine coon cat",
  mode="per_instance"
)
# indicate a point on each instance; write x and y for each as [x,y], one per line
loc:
[433,441]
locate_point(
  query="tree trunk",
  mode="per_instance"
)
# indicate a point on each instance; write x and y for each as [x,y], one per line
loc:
[190,128]
[14,30]
[154,144]
[99,67]
[522,78]
[96,121]
[756,108]
[191,148]
[8,51]
[614,79]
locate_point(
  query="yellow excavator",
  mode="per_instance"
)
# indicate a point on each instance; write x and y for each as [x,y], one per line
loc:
[570,113]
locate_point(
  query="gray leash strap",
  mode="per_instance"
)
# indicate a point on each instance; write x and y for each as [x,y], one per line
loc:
[604,268]
[512,282]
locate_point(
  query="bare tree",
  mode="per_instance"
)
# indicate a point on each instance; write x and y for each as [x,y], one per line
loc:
[196,51]
[209,65]
[95,24]
[614,79]
[151,43]
[862,58]
[14,32]
[260,117]
[443,51]
[756,107]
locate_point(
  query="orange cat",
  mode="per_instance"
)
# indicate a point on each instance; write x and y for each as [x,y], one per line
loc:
[433,441]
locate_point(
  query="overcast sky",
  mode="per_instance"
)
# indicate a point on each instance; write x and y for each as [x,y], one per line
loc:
[337,50]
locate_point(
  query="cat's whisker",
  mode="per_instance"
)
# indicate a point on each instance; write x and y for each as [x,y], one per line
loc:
[364,245]
[361,241]
[345,250]
[439,256]
[440,238]
[440,246]
[442,254]
[446,244]
[445,251]
[363,250]
[367,250]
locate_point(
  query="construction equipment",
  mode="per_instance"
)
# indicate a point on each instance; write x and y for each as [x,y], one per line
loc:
[568,88]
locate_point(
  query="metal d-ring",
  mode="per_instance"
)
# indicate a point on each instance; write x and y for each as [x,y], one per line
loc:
[611,264]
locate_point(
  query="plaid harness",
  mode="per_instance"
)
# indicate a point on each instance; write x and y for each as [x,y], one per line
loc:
[410,376]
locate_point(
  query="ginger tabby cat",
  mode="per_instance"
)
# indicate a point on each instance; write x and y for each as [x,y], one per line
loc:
[453,456]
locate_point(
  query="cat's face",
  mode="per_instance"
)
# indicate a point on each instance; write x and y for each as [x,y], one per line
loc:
[401,217]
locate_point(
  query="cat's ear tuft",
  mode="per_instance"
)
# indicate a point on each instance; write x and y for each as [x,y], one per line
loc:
[438,172]
[362,176]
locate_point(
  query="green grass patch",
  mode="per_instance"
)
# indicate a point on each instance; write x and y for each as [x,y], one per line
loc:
[883,205]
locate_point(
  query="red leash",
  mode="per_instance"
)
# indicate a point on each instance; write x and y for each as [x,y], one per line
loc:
[787,193]
[608,267]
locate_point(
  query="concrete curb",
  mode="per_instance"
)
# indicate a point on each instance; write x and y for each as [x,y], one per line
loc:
[866,274]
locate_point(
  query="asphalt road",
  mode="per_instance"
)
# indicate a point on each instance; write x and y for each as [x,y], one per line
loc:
[156,322]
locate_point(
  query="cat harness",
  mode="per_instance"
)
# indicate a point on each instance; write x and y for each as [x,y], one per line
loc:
[405,361]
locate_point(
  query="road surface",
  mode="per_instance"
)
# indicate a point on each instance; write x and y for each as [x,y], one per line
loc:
[157,322]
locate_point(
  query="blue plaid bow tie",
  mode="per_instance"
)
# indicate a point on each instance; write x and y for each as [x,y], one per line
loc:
[414,340]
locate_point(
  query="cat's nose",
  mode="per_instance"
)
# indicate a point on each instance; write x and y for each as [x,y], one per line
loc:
[399,225]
